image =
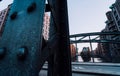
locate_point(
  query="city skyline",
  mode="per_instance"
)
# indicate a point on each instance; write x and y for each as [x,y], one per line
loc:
[88,16]
[84,16]
[89,13]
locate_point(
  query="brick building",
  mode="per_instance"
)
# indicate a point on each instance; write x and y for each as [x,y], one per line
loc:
[73,52]
[111,51]
[3,16]
[46,26]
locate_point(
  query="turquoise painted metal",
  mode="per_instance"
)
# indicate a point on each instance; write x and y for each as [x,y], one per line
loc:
[23,51]
[21,40]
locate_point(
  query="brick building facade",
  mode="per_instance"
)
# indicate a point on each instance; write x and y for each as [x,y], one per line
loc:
[3,16]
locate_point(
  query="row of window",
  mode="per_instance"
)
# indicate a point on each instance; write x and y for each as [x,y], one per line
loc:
[3,12]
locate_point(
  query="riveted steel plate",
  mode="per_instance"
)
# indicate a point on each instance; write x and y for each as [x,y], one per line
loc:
[21,39]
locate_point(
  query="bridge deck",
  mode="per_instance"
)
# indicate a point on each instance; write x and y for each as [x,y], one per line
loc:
[91,69]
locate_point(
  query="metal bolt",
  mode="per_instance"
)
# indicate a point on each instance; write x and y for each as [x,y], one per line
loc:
[32,7]
[13,16]
[2,52]
[21,54]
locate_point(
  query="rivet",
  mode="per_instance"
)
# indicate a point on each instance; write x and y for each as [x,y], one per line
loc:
[32,7]
[13,16]
[21,53]
[2,52]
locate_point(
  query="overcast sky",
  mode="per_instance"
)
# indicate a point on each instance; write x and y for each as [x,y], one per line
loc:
[84,15]
[87,15]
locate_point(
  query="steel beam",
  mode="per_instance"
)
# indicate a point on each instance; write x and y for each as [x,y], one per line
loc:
[94,33]
[62,56]
[95,41]
[20,45]
[23,50]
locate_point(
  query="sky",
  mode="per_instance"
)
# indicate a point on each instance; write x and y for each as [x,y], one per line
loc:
[87,15]
[84,15]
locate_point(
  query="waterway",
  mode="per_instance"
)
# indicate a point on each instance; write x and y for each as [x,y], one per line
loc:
[95,59]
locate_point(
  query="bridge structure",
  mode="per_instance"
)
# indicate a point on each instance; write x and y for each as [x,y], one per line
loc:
[81,38]
[94,37]
[23,51]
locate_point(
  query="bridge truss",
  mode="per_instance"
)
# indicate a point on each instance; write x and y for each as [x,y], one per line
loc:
[95,37]
[23,51]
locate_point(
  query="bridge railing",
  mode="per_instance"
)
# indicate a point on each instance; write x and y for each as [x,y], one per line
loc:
[107,49]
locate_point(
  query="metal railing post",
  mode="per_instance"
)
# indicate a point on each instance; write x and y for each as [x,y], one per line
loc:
[92,52]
